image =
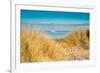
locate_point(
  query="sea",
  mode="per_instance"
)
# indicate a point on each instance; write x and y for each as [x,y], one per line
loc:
[56,31]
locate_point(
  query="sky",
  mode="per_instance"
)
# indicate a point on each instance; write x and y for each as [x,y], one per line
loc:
[54,17]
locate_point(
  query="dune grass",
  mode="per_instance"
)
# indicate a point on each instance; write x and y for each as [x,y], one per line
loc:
[78,38]
[39,47]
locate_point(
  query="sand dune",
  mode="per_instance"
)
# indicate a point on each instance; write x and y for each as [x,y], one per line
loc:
[39,47]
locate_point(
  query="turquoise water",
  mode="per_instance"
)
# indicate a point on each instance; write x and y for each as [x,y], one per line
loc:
[58,34]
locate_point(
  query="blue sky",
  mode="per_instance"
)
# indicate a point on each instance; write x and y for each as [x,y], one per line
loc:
[54,17]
